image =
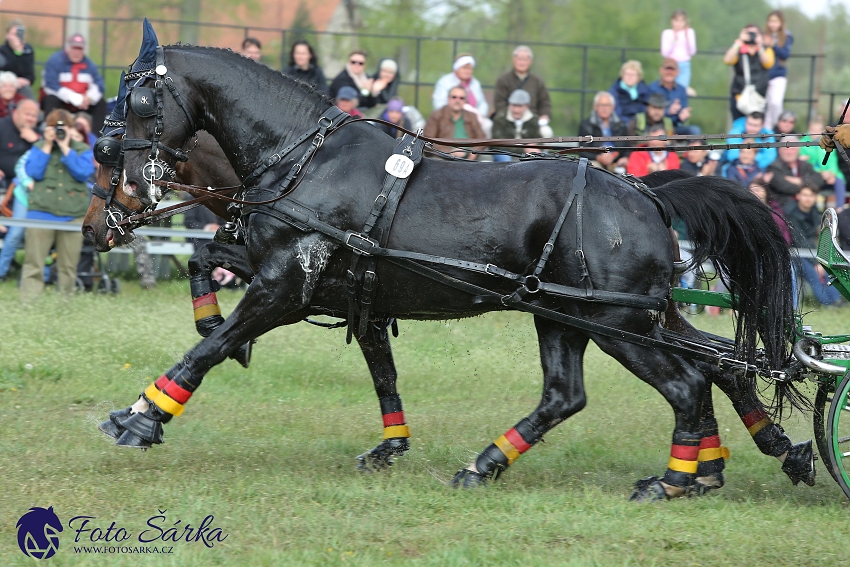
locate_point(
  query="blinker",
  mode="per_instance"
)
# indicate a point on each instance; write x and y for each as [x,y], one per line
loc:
[143,102]
[107,151]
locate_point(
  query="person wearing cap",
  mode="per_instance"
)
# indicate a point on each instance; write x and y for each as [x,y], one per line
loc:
[346,100]
[354,76]
[520,77]
[655,113]
[385,81]
[454,121]
[395,113]
[70,80]
[676,96]
[18,57]
[517,122]
[461,75]
[604,122]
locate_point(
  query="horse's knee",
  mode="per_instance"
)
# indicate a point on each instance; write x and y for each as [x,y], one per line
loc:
[200,262]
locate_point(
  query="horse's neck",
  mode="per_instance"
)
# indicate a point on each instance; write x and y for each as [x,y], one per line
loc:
[251,113]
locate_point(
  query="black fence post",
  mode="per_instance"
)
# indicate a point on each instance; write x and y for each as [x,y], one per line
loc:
[283,52]
[454,49]
[814,62]
[418,60]
[583,80]
[103,49]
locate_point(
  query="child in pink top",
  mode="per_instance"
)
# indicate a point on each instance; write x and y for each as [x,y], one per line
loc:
[680,43]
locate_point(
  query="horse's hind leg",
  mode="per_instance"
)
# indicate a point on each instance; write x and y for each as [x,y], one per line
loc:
[561,354]
[375,345]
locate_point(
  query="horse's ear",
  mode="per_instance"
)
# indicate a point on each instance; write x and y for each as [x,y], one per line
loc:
[147,53]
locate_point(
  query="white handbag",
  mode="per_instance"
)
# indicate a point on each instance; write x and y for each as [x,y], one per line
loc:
[749,100]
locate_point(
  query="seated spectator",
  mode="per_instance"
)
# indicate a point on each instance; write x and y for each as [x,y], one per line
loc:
[786,123]
[517,122]
[60,166]
[790,173]
[395,113]
[252,48]
[346,100]
[744,169]
[18,57]
[758,187]
[752,124]
[603,122]
[454,121]
[71,81]
[676,96]
[654,114]
[804,219]
[385,81]
[700,162]
[461,75]
[354,76]
[658,159]
[630,92]
[9,94]
[833,178]
[520,77]
[82,122]
[304,65]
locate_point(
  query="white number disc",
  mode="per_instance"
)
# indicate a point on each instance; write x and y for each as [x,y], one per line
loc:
[400,166]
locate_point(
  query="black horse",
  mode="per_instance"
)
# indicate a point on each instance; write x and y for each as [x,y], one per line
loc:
[499,214]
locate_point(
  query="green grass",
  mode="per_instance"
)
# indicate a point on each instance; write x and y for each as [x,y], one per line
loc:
[270,451]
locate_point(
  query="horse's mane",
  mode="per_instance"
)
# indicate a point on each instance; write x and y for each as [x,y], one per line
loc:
[265,70]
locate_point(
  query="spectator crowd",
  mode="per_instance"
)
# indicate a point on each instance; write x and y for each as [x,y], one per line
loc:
[46,159]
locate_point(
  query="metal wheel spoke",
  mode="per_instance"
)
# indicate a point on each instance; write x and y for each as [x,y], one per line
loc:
[843,439]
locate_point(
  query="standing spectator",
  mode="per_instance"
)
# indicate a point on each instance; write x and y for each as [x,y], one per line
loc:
[744,169]
[60,166]
[676,96]
[252,48]
[630,92]
[679,43]
[785,124]
[461,75]
[385,81]
[395,113]
[520,77]
[10,96]
[655,113]
[354,76]
[658,159]
[781,40]
[804,219]
[832,176]
[346,100]
[699,162]
[304,65]
[790,173]
[18,57]
[70,80]
[17,134]
[749,50]
[752,124]
[604,122]
[518,122]
[454,121]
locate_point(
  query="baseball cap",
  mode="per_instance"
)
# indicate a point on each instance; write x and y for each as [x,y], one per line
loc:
[519,96]
[669,63]
[76,40]
[346,93]
[395,105]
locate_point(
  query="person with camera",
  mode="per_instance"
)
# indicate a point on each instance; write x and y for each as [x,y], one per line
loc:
[59,167]
[18,57]
[752,62]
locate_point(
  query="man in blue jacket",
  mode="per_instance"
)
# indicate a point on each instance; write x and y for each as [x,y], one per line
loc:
[70,80]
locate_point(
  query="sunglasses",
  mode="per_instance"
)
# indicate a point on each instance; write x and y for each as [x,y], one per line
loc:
[357,62]
[455,97]
[669,68]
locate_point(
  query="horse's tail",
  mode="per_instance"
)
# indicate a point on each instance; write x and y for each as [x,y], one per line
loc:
[740,235]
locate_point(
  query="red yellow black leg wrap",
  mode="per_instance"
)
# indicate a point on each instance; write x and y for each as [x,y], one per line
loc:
[507,449]
[683,463]
[712,454]
[393,415]
[205,304]
[170,394]
[768,436]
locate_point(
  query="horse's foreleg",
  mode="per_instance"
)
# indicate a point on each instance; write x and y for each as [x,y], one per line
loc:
[207,258]
[561,353]
[375,345]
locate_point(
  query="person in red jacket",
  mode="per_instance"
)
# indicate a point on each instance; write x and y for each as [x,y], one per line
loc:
[658,159]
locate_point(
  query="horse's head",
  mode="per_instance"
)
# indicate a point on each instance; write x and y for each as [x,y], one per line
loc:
[160,119]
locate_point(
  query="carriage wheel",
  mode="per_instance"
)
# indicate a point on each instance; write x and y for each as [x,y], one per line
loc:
[838,434]
[824,397]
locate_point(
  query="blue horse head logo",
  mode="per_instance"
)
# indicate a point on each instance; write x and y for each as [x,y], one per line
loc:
[38,533]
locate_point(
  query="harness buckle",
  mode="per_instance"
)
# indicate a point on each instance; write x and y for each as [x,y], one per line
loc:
[362,242]
[319,140]
[296,169]
[531,284]
[329,124]
[381,195]
[548,247]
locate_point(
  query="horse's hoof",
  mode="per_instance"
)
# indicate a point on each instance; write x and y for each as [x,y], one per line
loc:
[799,463]
[705,484]
[648,489]
[466,478]
[383,456]
[109,428]
[130,439]
[243,354]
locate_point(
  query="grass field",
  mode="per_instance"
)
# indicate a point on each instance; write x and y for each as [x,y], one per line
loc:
[270,451]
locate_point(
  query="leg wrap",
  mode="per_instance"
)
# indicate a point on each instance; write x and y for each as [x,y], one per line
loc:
[507,449]
[768,436]
[205,304]
[393,414]
[172,390]
[684,454]
[712,455]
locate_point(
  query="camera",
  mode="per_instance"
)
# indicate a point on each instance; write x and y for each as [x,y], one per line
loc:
[60,130]
[751,38]
[20,32]
[714,155]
